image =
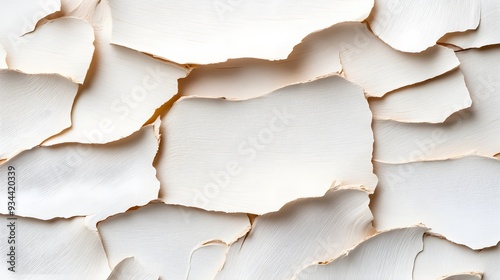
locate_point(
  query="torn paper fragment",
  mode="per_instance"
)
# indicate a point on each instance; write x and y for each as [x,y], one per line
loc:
[20,17]
[448,196]
[90,10]
[379,69]
[464,276]
[62,46]
[316,56]
[58,249]
[231,29]
[387,255]
[32,108]
[414,26]
[207,261]
[3,58]
[85,180]
[471,131]
[486,33]
[163,237]
[131,269]
[254,156]
[304,232]
[441,257]
[122,90]
[432,101]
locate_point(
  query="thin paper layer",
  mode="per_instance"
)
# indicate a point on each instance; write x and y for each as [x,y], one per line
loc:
[231,29]
[163,237]
[379,69]
[432,101]
[62,46]
[207,261]
[387,255]
[254,156]
[85,180]
[413,26]
[58,249]
[456,198]
[486,33]
[441,257]
[32,108]
[123,87]
[304,232]
[464,276]
[471,131]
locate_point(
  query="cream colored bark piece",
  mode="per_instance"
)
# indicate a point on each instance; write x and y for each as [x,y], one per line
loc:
[3,58]
[123,87]
[254,156]
[456,198]
[486,33]
[316,56]
[304,232]
[464,276]
[472,131]
[131,269]
[163,237]
[414,26]
[441,257]
[62,46]
[20,17]
[32,108]
[231,29]
[58,249]
[386,255]
[85,180]
[207,261]
[379,69]
[431,101]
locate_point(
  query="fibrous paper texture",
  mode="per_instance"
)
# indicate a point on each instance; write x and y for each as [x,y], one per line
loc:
[63,46]
[432,101]
[413,26]
[387,255]
[272,150]
[486,33]
[316,56]
[58,249]
[86,180]
[471,131]
[231,29]
[32,109]
[441,258]
[165,249]
[231,139]
[282,244]
[131,269]
[123,87]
